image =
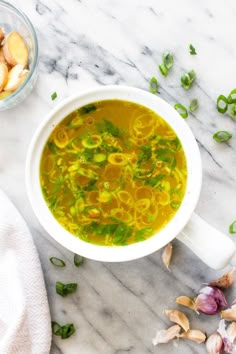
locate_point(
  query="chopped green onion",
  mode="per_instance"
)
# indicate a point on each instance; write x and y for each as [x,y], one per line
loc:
[222,104]
[181,110]
[54,96]
[232,227]
[65,289]
[153,85]
[57,262]
[187,79]
[232,97]
[63,331]
[193,105]
[232,111]
[168,60]
[192,50]
[222,136]
[78,260]
[163,69]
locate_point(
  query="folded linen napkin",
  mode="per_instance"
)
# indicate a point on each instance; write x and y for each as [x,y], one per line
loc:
[25,326]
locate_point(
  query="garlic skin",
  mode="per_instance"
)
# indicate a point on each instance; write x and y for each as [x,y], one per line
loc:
[214,343]
[229,314]
[178,317]
[186,301]
[210,300]
[166,335]
[195,335]
[167,255]
[226,280]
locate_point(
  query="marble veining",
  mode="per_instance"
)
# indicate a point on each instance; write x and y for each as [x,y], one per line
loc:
[85,43]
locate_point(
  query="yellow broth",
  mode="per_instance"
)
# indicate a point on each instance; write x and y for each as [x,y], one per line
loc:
[113,173]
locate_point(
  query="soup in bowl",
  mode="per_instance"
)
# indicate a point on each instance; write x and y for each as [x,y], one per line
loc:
[114,174]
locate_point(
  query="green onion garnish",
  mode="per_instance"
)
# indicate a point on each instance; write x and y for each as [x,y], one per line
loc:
[232,97]
[232,111]
[163,69]
[153,85]
[192,50]
[232,227]
[181,110]
[54,96]
[222,104]
[78,260]
[168,60]
[193,105]
[222,136]
[187,79]
[63,331]
[65,289]
[57,262]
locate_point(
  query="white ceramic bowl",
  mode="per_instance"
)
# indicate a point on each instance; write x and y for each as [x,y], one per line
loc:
[119,253]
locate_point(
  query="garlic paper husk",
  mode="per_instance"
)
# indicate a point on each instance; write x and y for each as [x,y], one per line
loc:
[166,335]
[226,280]
[210,300]
[214,344]
[229,345]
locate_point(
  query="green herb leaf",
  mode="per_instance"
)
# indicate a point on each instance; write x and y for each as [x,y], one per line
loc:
[222,136]
[78,260]
[91,186]
[87,109]
[141,234]
[192,50]
[153,85]
[145,155]
[53,96]
[181,110]
[109,127]
[163,69]
[154,180]
[222,104]
[57,262]
[193,105]
[187,79]
[63,331]
[232,227]
[52,146]
[65,289]
[168,60]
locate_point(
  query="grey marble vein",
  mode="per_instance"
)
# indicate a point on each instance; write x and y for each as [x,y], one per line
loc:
[85,43]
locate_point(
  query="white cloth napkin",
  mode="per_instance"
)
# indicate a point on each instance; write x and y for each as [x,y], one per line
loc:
[25,325]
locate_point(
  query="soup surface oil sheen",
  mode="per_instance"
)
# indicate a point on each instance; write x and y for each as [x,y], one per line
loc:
[113,173]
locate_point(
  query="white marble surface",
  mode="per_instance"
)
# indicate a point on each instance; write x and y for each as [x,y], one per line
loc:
[94,42]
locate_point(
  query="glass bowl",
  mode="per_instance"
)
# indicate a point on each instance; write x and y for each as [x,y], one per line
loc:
[12,19]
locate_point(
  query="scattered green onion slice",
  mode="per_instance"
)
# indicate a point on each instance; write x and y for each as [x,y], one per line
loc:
[192,50]
[57,262]
[63,331]
[54,96]
[153,85]
[187,79]
[222,136]
[65,289]
[181,110]
[168,60]
[163,69]
[222,104]
[232,97]
[232,227]
[78,260]
[193,105]
[232,111]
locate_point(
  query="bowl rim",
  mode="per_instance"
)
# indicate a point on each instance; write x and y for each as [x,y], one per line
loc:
[36,55]
[114,253]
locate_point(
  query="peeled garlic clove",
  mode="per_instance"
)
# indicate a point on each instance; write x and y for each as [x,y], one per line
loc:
[167,255]
[195,335]
[3,75]
[178,317]
[226,280]
[14,78]
[2,34]
[166,335]
[214,343]
[210,300]
[186,301]
[229,314]
[15,49]
[231,331]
